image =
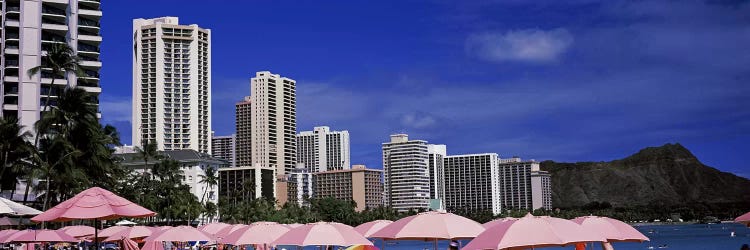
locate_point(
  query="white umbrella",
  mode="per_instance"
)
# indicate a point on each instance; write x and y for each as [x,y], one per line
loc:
[13,208]
[126,223]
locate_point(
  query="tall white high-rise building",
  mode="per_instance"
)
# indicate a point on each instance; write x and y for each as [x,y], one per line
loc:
[406,175]
[31,27]
[273,120]
[322,150]
[300,182]
[523,185]
[436,154]
[171,84]
[472,183]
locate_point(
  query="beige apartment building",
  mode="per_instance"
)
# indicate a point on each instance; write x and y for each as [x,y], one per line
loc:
[358,184]
[171,84]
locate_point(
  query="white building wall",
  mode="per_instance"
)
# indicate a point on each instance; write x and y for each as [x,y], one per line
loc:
[437,154]
[472,183]
[406,175]
[171,84]
[322,150]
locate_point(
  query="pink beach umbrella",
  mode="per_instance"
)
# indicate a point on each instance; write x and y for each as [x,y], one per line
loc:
[107,232]
[94,204]
[497,221]
[371,227]
[431,226]
[294,225]
[78,231]
[180,234]
[128,244]
[40,236]
[258,233]
[613,230]
[130,233]
[6,233]
[153,245]
[228,230]
[532,231]
[213,228]
[744,219]
[322,234]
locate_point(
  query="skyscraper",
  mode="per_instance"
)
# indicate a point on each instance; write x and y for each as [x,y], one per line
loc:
[171,84]
[322,149]
[242,113]
[358,184]
[524,185]
[223,147]
[407,178]
[273,126]
[31,27]
[472,183]
[436,154]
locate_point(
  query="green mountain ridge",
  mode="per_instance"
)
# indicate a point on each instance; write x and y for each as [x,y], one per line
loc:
[666,176]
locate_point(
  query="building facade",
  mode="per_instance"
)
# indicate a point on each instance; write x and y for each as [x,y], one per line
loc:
[436,155]
[273,124]
[243,136]
[30,27]
[300,186]
[472,183]
[358,184]
[521,183]
[193,165]
[171,84]
[406,175]
[239,183]
[224,147]
[322,150]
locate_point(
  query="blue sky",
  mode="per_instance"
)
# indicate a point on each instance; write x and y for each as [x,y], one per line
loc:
[573,81]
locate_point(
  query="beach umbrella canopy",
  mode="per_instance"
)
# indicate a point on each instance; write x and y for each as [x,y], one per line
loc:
[128,244]
[78,231]
[14,208]
[224,232]
[258,233]
[40,236]
[431,225]
[131,233]
[613,230]
[744,219]
[498,221]
[5,221]
[6,233]
[180,234]
[371,227]
[213,228]
[107,232]
[93,203]
[294,225]
[153,245]
[533,231]
[322,234]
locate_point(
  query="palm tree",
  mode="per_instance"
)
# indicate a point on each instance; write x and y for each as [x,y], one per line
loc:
[13,143]
[210,210]
[59,59]
[209,179]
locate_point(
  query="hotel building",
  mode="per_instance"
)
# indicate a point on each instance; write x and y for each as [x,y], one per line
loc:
[472,182]
[171,84]
[224,147]
[300,186]
[406,174]
[243,132]
[273,125]
[436,155]
[358,184]
[523,185]
[322,150]
[28,29]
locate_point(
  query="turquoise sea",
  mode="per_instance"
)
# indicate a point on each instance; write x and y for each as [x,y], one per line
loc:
[679,237]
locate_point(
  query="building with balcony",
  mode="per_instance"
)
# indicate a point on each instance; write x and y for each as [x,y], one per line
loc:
[171,84]
[359,184]
[28,29]
[300,186]
[273,126]
[406,173]
[472,183]
[243,136]
[223,147]
[523,185]
[436,156]
[321,150]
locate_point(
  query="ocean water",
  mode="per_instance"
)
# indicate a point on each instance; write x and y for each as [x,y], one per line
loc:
[679,237]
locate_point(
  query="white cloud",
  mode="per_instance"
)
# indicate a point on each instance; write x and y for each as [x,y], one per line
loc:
[418,121]
[530,45]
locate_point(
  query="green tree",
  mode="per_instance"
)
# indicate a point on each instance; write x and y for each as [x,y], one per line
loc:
[14,149]
[208,178]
